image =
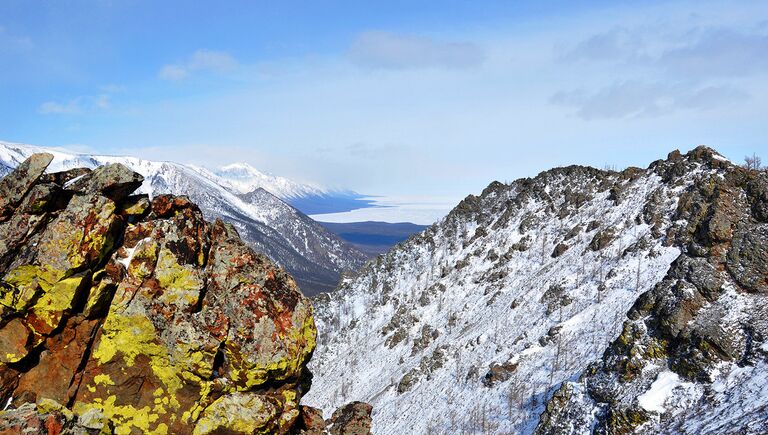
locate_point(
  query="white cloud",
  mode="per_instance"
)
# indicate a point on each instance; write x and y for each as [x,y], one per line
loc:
[456,128]
[212,60]
[201,60]
[77,105]
[52,107]
[377,49]
[661,69]
[173,72]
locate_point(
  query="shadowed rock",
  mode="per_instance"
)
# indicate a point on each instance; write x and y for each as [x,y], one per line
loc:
[17,183]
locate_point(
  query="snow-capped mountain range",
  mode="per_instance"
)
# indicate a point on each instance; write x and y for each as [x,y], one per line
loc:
[578,301]
[314,256]
[244,178]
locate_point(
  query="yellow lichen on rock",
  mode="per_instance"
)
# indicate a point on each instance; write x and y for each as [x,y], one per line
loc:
[125,417]
[180,283]
[239,413]
[131,336]
[26,281]
[58,299]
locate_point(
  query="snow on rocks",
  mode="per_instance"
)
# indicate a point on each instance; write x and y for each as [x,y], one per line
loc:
[474,326]
[660,391]
[479,297]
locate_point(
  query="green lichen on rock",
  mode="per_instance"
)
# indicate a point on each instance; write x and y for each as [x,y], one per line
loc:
[624,422]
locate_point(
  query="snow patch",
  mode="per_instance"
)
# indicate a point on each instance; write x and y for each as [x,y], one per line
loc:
[130,252]
[653,399]
[74,180]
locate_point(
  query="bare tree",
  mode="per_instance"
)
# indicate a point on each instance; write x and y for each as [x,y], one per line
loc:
[753,163]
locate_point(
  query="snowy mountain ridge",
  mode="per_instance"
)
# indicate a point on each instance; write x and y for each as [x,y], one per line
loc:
[238,177]
[313,255]
[496,319]
[244,178]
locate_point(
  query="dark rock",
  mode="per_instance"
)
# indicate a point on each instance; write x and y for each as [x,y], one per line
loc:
[115,181]
[551,334]
[499,373]
[748,259]
[686,323]
[757,191]
[554,298]
[310,421]
[602,239]
[573,232]
[559,250]
[164,206]
[15,185]
[351,419]
[63,177]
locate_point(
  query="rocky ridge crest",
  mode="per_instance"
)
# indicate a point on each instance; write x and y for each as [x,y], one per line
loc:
[703,326]
[501,305]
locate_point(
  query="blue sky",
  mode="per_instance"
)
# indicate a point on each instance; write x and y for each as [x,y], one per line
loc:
[398,98]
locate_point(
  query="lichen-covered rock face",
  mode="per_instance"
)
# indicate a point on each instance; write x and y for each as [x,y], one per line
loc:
[133,315]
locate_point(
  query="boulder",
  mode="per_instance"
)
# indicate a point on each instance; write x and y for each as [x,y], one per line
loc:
[15,186]
[351,419]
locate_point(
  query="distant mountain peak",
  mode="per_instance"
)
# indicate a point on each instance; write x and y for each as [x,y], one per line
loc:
[243,178]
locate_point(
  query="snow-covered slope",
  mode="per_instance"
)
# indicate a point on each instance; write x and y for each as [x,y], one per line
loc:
[314,256]
[471,326]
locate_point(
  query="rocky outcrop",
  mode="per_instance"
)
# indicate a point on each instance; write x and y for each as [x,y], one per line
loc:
[120,314]
[699,333]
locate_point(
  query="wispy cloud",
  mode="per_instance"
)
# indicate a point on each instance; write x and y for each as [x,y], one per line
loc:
[687,68]
[201,60]
[633,99]
[387,50]
[363,150]
[77,105]
[14,43]
[697,52]
[719,52]
[112,88]
[619,43]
